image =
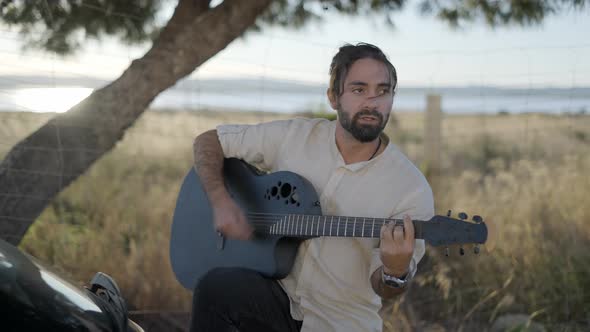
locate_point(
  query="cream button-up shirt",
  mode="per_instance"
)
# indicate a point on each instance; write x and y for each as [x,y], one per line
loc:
[329,286]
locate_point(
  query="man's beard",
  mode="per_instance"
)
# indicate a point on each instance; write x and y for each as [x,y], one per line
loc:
[362,132]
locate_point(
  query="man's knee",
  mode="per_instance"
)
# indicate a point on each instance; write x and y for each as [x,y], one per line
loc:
[220,285]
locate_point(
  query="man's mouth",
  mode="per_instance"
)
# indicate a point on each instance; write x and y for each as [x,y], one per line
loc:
[369,118]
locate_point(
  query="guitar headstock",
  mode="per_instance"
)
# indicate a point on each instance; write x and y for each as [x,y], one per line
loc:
[445,231]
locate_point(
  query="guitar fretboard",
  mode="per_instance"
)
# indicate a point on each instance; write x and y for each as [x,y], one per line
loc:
[338,226]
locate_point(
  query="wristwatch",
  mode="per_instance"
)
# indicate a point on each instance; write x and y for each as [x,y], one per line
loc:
[402,282]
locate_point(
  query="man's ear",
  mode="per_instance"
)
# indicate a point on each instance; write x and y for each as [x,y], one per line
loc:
[332,98]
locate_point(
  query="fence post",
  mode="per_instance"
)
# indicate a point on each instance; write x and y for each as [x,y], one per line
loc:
[432,133]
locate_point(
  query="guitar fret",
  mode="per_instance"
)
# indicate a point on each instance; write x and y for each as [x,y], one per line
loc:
[317,231]
[301,228]
[331,221]
[373,229]
[354,227]
[346,227]
[363,232]
[307,224]
[324,229]
[338,227]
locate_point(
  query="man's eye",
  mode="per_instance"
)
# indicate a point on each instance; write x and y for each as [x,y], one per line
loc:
[383,91]
[357,90]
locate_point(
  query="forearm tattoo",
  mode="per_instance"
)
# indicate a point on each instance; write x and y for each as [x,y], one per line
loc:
[208,156]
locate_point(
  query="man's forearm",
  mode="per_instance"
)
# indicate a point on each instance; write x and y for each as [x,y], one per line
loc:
[384,291]
[209,157]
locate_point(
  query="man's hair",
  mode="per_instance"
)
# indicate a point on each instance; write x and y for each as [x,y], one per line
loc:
[347,55]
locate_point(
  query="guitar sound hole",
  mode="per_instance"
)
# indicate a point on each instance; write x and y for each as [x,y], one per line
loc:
[286,190]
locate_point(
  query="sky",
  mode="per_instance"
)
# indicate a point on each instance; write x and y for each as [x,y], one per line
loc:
[425,51]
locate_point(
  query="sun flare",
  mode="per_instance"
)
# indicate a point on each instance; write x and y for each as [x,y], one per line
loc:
[56,100]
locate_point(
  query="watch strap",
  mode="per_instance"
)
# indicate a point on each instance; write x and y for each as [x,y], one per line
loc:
[401,282]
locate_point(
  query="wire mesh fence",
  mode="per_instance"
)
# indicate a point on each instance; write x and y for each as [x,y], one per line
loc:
[523,165]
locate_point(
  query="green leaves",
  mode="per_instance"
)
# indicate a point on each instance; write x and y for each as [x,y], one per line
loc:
[63,26]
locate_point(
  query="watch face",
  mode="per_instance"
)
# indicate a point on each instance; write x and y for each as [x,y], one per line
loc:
[402,282]
[394,282]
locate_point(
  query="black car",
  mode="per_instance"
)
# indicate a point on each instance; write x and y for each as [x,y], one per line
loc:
[33,298]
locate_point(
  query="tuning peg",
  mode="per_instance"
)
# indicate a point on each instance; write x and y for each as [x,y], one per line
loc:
[477,219]
[447,251]
[476,249]
[463,216]
[461,251]
[449,213]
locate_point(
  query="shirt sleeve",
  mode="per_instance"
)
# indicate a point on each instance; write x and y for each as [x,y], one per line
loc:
[419,206]
[258,144]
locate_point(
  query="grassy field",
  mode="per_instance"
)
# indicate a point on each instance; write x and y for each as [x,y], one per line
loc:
[529,174]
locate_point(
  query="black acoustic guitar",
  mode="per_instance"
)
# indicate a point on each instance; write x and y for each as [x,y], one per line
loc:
[284,210]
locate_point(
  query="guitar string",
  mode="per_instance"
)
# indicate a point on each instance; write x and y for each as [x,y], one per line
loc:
[276,216]
[267,220]
[358,225]
[321,218]
[343,223]
[301,229]
[298,226]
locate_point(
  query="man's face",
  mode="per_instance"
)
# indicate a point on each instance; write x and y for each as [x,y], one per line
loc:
[366,100]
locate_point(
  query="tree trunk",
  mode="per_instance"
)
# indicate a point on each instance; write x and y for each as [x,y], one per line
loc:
[47,161]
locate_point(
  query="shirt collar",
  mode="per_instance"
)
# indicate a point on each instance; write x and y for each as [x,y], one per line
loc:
[355,167]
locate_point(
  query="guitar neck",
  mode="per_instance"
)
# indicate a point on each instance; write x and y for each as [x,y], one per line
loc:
[297,225]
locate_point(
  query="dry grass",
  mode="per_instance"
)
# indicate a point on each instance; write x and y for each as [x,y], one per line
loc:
[527,173]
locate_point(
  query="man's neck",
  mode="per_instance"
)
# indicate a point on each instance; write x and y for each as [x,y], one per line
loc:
[353,150]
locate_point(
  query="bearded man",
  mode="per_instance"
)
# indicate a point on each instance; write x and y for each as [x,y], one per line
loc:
[336,283]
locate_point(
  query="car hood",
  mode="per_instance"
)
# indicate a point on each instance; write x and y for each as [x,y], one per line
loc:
[31,296]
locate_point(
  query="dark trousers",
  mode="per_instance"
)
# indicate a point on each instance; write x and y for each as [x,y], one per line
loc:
[235,299]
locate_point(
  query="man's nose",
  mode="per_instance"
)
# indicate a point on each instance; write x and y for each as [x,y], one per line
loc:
[371,101]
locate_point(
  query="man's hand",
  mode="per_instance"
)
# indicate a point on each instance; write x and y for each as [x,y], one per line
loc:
[229,219]
[397,247]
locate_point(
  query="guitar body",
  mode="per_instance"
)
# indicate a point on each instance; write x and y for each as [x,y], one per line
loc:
[196,247]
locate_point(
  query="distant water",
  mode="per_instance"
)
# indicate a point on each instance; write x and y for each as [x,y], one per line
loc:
[297,102]
[59,99]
